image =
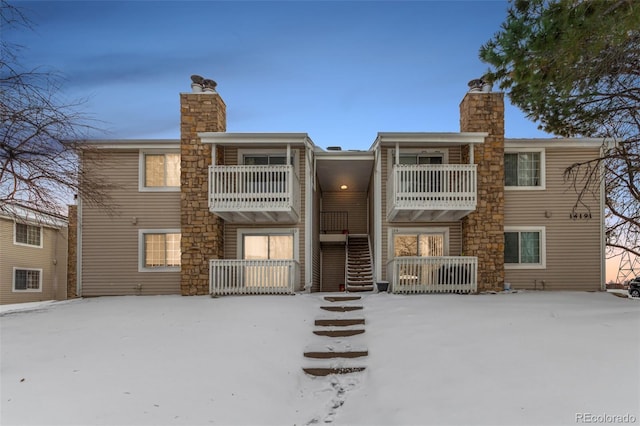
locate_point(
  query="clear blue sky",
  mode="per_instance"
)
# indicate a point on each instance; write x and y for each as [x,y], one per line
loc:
[340,71]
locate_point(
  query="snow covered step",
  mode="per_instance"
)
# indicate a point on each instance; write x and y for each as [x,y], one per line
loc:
[319,371]
[344,308]
[324,367]
[341,298]
[336,354]
[358,287]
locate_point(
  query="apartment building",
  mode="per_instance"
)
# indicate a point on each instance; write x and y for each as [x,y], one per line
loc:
[33,255]
[272,213]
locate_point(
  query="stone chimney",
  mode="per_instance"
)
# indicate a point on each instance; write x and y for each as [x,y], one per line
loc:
[483,230]
[202,232]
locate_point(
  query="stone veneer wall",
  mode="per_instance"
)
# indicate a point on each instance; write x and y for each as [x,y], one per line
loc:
[202,231]
[72,257]
[483,230]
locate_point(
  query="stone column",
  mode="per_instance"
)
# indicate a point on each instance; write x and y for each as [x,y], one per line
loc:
[202,236]
[483,230]
[72,257]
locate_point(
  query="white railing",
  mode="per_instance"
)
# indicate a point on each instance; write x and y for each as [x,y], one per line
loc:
[432,186]
[247,188]
[442,274]
[230,276]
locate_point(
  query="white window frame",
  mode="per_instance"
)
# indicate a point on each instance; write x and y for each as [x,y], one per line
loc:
[543,172]
[28,290]
[142,171]
[267,231]
[543,247]
[422,230]
[15,235]
[294,153]
[431,152]
[142,254]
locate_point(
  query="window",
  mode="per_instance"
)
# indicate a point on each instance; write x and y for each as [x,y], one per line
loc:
[524,169]
[524,248]
[159,250]
[423,242]
[270,245]
[27,280]
[418,245]
[420,179]
[266,159]
[28,235]
[421,159]
[266,181]
[267,247]
[160,171]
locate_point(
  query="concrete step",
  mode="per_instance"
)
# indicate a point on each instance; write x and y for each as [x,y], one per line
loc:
[338,333]
[339,322]
[336,354]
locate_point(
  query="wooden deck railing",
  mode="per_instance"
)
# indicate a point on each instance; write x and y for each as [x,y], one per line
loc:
[433,186]
[231,276]
[251,188]
[442,274]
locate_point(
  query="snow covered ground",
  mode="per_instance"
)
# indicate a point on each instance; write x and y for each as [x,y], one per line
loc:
[496,359]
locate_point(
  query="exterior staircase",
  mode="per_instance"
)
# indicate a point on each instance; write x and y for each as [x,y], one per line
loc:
[339,349]
[359,264]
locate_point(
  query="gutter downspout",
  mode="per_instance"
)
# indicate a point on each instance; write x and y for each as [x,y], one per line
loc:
[308,222]
[377,214]
[603,226]
[79,249]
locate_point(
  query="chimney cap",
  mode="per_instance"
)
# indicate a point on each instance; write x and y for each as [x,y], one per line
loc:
[200,84]
[480,85]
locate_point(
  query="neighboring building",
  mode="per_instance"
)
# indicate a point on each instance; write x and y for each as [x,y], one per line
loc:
[33,255]
[235,213]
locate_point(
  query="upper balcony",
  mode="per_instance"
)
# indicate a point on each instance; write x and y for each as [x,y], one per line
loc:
[255,194]
[431,192]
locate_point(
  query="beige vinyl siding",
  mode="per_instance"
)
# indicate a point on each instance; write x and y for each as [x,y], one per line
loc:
[231,229]
[573,258]
[354,203]
[51,258]
[110,241]
[455,228]
[333,267]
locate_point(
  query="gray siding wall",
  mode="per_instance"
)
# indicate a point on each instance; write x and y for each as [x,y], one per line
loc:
[110,241]
[51,258]
[573,258]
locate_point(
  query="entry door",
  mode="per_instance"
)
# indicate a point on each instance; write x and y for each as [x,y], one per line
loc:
[418,245]
[267,247]
[423,180]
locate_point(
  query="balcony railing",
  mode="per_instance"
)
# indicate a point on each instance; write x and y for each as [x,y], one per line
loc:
[253,276]
[446,274]
[255,193]
[431,192]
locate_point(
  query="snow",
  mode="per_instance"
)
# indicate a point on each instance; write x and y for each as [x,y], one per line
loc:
[526,358]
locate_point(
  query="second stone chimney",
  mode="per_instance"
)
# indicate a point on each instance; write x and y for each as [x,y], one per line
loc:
[483,230]
[202,110]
